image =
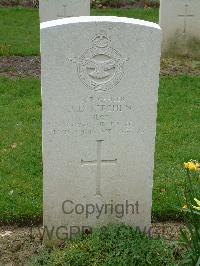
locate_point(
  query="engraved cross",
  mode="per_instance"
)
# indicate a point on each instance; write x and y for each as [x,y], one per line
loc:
[98,163]
[64,13]
[185,16]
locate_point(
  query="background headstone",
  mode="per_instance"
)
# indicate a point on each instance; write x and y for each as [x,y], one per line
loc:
[99,120]
[180,23]
[57,9]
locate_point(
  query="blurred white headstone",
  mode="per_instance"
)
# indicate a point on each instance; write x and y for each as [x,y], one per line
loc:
[180,23]
[57,9]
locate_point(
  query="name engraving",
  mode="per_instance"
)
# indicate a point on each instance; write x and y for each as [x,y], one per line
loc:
[98,115]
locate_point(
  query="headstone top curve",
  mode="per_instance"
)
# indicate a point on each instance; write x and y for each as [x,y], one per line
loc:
[82,19]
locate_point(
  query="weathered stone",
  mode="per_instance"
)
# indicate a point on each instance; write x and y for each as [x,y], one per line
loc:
[99,89]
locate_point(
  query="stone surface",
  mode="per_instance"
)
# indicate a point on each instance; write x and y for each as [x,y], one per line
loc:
[180,23]
[100,78]
[57,9]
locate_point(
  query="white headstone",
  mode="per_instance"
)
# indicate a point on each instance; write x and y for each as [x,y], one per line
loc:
[100,79]
[180,23]
[58,9]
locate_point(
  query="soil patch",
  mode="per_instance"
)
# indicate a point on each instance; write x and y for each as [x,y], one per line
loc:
[29,66]
[18,244]
[23,3]
[178,66]
[20,66]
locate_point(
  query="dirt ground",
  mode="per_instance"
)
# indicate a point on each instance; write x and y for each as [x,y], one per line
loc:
[20,66]
[18,244]
[29,66]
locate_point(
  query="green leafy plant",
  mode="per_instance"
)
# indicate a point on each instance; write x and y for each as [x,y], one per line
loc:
[190,238]
[112,245]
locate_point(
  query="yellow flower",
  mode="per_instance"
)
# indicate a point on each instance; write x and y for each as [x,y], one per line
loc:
[198,203]
[192,165]
[185,207]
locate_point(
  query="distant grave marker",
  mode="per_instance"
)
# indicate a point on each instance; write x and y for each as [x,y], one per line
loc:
[58,9]
[180,23]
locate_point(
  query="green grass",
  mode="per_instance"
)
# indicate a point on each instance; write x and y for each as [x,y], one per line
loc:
[19,30]
[178,138]
[20,150]
[151,14]
[114,245]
